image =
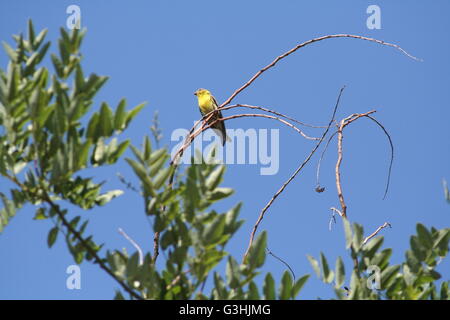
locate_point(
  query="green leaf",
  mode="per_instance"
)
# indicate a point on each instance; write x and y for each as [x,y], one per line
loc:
[315,265]
[348,233]
[412,262]
[9,205]
[79,79]
[214,231]
[13,81]
[157,155]
[106,120]
[424,236]
[120,115]
[358,237]
[40,214]
[93,127]
[40,37]
[57,64]
[77,108]
[133,113]
[220,193]
[257,254]
[286,286]
[381,259]
[99,152]
[418,249]
[219,287]
[108,196]
[52,235]
[119,296]
[327,273]
[232,273]
[388,275]
[161,177]
[147,148]
[156,166]
[35,59]
[215,178]
[10,51]
[138,154]
[444,291]
[269,287]
[299,285]
[340,273]
[140,171]
[231,225]
[63,52]
[372,246]
[31,34]
[132,266]
[119,151]
[83,154]
[442,238]
[354,286]
[253,293]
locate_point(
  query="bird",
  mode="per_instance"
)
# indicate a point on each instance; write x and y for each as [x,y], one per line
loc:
[208,103]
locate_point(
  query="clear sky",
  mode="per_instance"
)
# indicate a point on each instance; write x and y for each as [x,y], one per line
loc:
[161,51]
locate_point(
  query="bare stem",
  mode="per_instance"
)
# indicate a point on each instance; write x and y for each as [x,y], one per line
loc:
[302,165]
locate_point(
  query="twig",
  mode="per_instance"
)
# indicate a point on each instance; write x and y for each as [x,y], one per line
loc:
[274,112]
[193,135]
[155,247]
[282,261]
[332,219]
[263,211]
[392,153]
[126,183]
[344,122]
[176,279]
[385,225]
[320,160]
[336,211]
[46,198]
[86,245]
[135,245]
[274,62]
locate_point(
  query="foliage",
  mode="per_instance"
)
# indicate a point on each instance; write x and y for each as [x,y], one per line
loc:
[50,134]
[193,236]
[48,138]
[373,276]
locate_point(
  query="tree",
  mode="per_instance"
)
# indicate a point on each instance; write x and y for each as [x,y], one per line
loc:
[47,140]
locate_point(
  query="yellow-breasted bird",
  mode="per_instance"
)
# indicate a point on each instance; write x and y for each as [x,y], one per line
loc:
[208,103]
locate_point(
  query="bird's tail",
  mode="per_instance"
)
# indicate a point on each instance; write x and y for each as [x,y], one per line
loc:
[223,135]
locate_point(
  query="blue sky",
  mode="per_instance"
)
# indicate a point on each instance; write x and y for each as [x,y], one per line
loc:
[161,51]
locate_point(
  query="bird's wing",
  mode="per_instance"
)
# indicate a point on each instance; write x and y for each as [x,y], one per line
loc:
[216,105]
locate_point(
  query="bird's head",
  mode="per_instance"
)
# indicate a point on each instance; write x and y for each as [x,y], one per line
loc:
[201,92]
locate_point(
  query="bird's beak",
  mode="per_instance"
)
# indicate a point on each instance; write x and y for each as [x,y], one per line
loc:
[195,93]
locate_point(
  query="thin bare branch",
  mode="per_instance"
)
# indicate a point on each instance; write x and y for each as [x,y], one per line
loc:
[336,211]
[177,279]
[87,246]
[343,123]
[392,153]
[134,244]
[302,165]
[284,55]
[155,246]
[385,225]
[275,113]
[192,136]
[282,261]
[320,159]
